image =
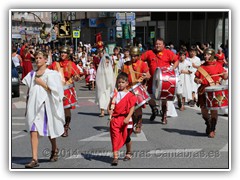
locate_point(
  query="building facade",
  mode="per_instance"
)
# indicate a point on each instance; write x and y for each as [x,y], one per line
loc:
[178,27]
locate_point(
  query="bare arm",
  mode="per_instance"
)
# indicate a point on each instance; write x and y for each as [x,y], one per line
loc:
[225,76]
[126,120]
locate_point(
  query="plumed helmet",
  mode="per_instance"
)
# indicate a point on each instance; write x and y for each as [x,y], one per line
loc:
[134,51]
[211,52]
[65,49]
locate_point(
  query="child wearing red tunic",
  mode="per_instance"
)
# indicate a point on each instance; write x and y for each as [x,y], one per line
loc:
[121,108]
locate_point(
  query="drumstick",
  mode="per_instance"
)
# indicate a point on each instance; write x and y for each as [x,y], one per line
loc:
[76,73]
[137,72]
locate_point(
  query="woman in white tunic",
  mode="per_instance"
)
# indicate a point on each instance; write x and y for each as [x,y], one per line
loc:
[105,82]
[185,70]
[44,113]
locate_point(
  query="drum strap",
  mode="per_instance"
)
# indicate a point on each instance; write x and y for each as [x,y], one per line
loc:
[207,76]
[133,76]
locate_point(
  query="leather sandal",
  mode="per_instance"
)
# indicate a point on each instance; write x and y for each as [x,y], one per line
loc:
[32,164]
[54,156]
[114,162]
[127,157]
[137,130]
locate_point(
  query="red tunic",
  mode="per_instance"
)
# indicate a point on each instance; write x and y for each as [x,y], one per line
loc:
[139,67]
[68,69]
[118,130]
[220,58]
[212,68]
[155,60]
[27,65]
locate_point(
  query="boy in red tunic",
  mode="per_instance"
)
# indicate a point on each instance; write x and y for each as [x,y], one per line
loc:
[138,72]
[213,68]
[121,108]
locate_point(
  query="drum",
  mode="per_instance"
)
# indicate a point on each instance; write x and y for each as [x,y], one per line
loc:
[141,93]
[70,97]
[216,97]
[164,84]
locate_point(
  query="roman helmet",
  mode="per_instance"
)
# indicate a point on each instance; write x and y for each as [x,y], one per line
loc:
[211,52]
[134,51]
[65,49]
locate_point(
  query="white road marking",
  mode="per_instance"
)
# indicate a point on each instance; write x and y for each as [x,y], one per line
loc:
[91,100]
[16,132]
[20,104]
[86,97]
[139,137]
[18,124]
[224,149]
[18,117]
[16,137]
[163,151]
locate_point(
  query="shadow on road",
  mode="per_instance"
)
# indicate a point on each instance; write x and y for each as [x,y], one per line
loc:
[89,113]
[184,132]
[101,128]
[103,158]
[26,160]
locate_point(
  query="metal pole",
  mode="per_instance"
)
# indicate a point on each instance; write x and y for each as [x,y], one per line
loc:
[75,45]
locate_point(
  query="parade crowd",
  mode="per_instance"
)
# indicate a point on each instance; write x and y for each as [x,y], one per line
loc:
[124,83]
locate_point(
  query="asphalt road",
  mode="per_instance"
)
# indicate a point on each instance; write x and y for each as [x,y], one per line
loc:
[181,144]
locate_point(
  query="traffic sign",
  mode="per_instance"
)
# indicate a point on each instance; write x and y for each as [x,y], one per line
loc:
[128,16]
[120,22]
[76,34]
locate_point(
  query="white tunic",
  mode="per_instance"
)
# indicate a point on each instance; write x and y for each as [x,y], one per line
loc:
[40,102]
[196,60]
[185,85]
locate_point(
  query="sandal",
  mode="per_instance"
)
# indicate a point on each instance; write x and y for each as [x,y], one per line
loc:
[114,162]
[32,164]
[137,130]
[54,156]
[127,157]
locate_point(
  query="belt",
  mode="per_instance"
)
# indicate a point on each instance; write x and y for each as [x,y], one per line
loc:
[68,86]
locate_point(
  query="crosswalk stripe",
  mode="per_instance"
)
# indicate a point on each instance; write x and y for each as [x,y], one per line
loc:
[225,148]
[99,137]
[16,137]
[18,124]
[18,117]
[16,132]
[20,104]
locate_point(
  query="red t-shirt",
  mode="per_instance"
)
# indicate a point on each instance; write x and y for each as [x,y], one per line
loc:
[158,59]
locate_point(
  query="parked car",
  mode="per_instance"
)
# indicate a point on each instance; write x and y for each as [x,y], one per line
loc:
[15,82]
